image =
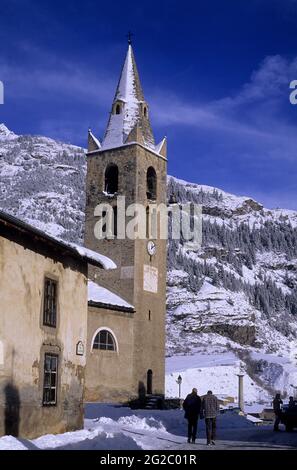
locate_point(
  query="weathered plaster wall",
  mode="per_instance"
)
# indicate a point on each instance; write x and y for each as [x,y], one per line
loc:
[24,341]
[109,374]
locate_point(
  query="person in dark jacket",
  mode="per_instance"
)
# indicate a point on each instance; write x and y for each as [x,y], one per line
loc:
[210,408]
[192,407]
[277,402]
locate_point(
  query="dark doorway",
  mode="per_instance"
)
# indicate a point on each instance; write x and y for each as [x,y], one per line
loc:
[12,410]
[149,387]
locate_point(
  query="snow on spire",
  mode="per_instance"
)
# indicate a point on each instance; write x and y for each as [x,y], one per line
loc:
[129,108]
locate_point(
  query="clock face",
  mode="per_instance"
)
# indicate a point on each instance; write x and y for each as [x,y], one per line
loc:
[151,248]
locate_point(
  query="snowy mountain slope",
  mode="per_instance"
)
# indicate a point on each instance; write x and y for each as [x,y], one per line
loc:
[236,293]
[42,181]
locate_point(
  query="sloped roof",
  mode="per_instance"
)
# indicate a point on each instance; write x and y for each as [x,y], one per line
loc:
[100,296]
[72,249]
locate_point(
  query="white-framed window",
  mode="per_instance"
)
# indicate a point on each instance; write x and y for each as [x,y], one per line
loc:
[104,339]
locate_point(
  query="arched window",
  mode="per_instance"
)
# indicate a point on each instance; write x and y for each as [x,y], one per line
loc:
[111,179]
[145,111]
[118,109]
[104,340]
[151,183]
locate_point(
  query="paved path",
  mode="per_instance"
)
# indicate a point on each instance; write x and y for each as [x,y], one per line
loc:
[255,438]
[231,445]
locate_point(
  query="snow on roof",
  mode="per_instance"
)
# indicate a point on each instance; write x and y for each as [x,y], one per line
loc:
[159,146]
[101,295]
[97,142]
[114,132]
[120,125]
[126,89]
[91,255]
[86,254]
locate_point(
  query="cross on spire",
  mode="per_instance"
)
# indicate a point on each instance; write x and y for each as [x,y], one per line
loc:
[129,36]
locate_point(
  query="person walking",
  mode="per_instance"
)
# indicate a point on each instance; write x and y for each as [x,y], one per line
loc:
[277,402]
[192,407]
[210,408]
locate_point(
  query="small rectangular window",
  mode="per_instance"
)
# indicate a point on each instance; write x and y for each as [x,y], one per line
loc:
[50,380]
[50,303]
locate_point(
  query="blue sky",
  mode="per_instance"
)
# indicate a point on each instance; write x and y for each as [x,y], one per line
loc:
[216,74]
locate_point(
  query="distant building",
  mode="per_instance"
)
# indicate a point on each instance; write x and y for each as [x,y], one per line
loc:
[126,339]
[43,330]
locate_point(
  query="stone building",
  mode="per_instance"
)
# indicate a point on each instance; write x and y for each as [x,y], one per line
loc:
[43,330]
[126,337]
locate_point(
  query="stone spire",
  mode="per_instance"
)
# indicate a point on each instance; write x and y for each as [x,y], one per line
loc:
[129,117]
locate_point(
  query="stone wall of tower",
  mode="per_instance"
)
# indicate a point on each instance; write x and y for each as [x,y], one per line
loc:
[121,251]
[131,257]
[149,320]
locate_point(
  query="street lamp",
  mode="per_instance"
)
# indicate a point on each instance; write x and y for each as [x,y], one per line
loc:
[179,382]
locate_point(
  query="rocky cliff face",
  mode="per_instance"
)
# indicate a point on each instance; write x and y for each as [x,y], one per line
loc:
[236,293]
[242,282]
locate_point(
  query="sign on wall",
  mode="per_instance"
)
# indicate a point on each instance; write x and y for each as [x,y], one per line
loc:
[80,349]
[150,279]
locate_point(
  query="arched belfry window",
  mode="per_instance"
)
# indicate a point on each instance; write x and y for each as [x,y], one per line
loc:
[118,109]
[151,183]
[111,179]
[104,340]
[145,111]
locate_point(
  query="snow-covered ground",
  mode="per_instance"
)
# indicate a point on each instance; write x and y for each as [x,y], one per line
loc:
[216,369]
[216,372]
[113,427]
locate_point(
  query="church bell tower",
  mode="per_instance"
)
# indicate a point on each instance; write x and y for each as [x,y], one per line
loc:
[127,162]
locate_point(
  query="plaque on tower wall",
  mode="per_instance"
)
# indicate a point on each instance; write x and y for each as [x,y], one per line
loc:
[150,279]
[127,272]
